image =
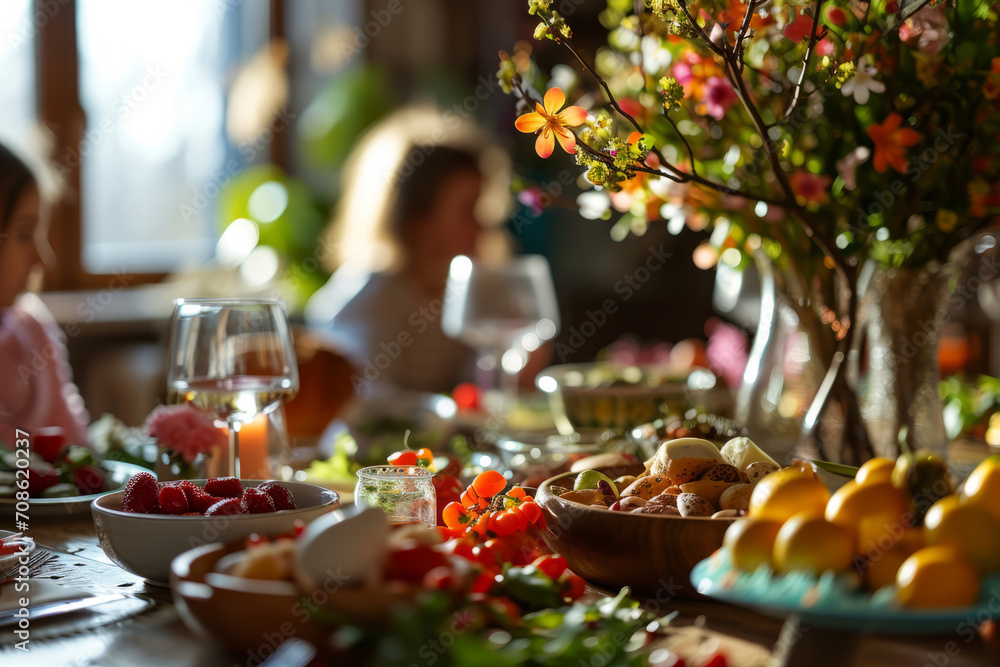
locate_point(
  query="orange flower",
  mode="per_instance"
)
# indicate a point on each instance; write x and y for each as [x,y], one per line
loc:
[810,188]
[551,124]
[891,142]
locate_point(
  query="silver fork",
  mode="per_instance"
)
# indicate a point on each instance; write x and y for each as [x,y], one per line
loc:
[37,558]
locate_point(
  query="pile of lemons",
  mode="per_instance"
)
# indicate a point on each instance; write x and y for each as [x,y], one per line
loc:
[874,525]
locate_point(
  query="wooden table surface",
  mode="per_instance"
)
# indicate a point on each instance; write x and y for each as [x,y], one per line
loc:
[158,637]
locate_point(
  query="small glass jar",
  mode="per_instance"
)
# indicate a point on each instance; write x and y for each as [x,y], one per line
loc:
[405,493]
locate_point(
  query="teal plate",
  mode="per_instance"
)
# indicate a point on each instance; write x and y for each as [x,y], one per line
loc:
[835,603]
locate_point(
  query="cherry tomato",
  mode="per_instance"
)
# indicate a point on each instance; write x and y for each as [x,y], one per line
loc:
[504,523]
[466,396]
[523,547]
[551,566]
[413,563]
[717,659]
[483,583]
[461,546]
[471,499]
[455,516]
[440,579]
[516,492]
[488,484]
[482,523]
[404,458]
[531,511]
[522,521]
[426,455]
[501,551]
[574,585]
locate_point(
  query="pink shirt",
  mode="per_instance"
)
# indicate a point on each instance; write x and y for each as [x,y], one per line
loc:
[35,387]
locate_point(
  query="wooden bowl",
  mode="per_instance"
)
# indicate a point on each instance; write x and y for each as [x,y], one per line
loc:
[650,553]
[254,616]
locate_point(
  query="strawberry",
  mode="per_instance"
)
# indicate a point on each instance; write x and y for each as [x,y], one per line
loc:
[173,500]
[141,494]
[227,506]
[48,442]
[88,479]
[257,501]
[282,497]
[39,480]
[200,501]
[224,487]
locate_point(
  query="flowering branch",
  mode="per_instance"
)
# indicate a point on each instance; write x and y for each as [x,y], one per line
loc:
[813,40]
[744,29]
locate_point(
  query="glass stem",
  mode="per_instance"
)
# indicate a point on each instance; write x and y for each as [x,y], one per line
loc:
[234,448]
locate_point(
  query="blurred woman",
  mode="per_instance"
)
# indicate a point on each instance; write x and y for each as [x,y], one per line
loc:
[35,391]
[420,189]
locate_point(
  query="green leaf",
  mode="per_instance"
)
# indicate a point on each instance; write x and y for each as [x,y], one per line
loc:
[836,468]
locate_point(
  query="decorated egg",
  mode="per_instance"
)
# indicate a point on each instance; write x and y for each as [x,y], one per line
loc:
[691,505]
[759,470]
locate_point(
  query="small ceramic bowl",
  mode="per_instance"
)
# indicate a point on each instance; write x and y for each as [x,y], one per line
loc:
[144,544]
[257,616]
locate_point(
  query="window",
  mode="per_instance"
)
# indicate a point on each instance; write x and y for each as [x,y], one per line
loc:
[152,86]
[17,85]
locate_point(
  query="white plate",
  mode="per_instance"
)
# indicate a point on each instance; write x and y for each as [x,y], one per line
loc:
[121,473]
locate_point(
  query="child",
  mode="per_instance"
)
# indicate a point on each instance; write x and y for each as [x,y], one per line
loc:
[35,391]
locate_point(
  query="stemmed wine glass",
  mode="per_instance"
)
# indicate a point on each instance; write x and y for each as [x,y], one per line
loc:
[503,312]
[232,359]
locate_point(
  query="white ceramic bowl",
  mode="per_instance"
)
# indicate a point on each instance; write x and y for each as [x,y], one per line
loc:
[144,544]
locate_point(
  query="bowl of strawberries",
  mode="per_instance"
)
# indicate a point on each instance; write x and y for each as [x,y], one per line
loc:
[142,528]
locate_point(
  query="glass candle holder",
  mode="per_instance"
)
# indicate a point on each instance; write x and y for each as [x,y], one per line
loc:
[405,493]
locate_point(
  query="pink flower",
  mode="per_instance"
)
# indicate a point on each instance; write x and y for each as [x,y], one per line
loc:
[533,198]
[683,73]
[184,430]
[926,31]
[719,97]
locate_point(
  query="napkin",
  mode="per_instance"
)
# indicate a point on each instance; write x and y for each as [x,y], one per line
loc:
[39,591]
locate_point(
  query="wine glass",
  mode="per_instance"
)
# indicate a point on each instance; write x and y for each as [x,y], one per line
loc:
[232,359]
[504,312]
[405,493]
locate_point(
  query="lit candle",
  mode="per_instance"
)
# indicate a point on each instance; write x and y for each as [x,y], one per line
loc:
[253,449]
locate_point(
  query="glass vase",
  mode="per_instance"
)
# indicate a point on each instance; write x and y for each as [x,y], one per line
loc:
[788,359]
[901,312]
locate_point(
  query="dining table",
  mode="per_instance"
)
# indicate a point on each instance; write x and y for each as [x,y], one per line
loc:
[157,636]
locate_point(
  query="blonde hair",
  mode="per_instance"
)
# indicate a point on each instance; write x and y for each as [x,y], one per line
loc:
[366,230]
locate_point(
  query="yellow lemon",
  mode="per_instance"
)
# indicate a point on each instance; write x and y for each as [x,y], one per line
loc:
[810,542]
[787,492]
[882,568]
[875,470]
[912,540]
[750,542]
[983,486]
[968,528]
[878,512]
[937,577]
